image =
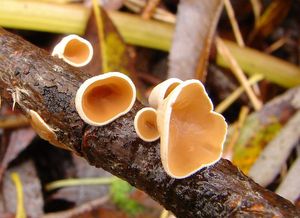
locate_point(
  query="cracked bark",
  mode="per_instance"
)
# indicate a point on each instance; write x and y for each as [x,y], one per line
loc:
[48,86]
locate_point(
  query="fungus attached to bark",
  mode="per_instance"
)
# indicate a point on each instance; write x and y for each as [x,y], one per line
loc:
[74,50]
[192,135]
[43,129]
[102,99]
[145,124]
[161,91]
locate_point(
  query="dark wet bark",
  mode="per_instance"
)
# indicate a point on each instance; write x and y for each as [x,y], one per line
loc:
[47,85]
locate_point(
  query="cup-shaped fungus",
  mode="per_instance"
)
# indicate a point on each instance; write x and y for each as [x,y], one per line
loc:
[74,50]
[145,124]
[161,91]
[103,98]
[192,135]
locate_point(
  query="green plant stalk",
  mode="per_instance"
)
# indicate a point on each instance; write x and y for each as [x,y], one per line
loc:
[83,181]
[58,18]
[146,33]
[42,16]
[255,62]
[158,35]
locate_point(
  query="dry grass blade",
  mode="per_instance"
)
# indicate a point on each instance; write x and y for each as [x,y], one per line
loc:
[271,18]
[20,213]
[192,40]
[257,7]
[158,14]
[77,182]
[236,69]
[276,45]
[236,94]
[149,8]
[234,23]
[237,129]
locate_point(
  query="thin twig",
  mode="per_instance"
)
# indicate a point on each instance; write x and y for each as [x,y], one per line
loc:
[13,121]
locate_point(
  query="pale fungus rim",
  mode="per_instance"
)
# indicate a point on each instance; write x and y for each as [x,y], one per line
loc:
[137,130]
[158,93]
[163,123]
[59,50]
[80,92]
[44,130]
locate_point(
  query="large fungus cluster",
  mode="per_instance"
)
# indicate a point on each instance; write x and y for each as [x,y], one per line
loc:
[191,133]
[180,113]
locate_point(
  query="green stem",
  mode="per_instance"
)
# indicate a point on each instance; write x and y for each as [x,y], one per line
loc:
[141,32]
[255,62]
[43,16]
[76,182]
[158,35]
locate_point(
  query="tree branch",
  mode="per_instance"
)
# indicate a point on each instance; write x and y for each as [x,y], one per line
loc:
[45,84]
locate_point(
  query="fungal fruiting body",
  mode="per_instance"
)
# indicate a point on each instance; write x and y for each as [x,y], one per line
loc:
[103,98]
[145,124]
[191,134]
[43,129]
[74,50]
[161,91]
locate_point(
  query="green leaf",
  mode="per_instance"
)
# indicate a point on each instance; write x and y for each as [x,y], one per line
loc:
[120,191]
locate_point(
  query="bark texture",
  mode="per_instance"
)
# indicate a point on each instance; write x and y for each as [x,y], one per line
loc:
[36,81]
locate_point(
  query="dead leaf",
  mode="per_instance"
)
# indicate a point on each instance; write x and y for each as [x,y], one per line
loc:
[19,140]
[31,187]
[261,127]
[290,186]
[195,26]
[116,51]
[276,153]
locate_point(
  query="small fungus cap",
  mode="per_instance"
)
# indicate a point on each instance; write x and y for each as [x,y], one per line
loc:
[145,124]
[74,50]
[43,129]
[161,91]
[192,135]
[103,98]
